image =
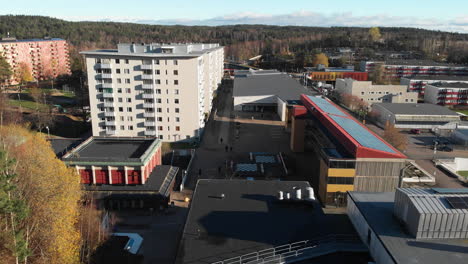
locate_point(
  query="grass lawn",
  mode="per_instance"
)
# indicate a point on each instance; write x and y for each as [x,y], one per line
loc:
[463,173]
[29,105]
[462,111]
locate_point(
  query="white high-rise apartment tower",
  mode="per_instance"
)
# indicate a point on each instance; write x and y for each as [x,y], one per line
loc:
[156,90]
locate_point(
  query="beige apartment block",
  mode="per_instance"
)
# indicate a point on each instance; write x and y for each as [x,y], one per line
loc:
[376,93]
[153,90]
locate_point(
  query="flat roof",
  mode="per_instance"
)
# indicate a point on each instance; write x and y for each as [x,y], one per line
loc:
[112,149]
[377,209]
[416,109]
[350,127]
[450,84]
[268,82]
[437,78]
[144,53]
[12,40]
[249,218]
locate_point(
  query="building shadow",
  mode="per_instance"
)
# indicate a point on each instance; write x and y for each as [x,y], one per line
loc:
[438,246]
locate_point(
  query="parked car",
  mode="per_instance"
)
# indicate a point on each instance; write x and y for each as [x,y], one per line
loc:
[415,131]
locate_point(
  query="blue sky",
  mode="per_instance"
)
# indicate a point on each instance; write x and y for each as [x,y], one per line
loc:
[449,15]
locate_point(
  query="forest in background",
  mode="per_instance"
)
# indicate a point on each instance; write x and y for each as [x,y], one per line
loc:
[241,41]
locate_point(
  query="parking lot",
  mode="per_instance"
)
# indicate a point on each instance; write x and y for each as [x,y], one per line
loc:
[421,149]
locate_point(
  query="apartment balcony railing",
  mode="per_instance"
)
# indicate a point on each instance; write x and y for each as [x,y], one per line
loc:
[105,85]
[148,105]
[103,66]
[147,86]
[150,133]
[108,95]
[104,76]
[150,123]
[109,113]
[108,104]
[146,76]
[110,123]
[146,67]
[110,132]
[148,114]
[148,96]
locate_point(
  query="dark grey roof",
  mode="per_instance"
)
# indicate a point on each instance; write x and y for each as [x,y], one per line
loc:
[416,109]
[153,184]
[377,209]
[268,82]
[111,149]
[438,78]
[115,149]
[450,85]
[249,218]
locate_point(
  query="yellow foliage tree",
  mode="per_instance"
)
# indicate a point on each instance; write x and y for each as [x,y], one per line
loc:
[374,33]
[51,190]
[320,58]
[23,74]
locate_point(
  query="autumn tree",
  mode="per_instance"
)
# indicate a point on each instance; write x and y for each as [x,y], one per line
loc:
[320,58]
[52,193]
[13,210]
[23,74]
[393,136]
[92,230]
[5,71]
[374,33]
[379,75]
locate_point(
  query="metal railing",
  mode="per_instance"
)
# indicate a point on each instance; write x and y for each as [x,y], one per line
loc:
[165,187]
[289,253]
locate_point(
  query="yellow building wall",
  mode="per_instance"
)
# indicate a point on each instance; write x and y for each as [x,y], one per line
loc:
[339,187]
[341,172]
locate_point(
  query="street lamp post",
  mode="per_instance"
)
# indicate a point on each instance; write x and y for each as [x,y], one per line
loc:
[48,131]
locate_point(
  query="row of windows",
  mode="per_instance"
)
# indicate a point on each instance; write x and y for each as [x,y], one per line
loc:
[128,90]
[341,180]
[130,109]
[158,62]
[158,72]
[126,71]
[158,81]
[126,61]
[130,119]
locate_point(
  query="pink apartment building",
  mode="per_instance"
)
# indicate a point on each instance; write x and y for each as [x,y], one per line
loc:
[45,58]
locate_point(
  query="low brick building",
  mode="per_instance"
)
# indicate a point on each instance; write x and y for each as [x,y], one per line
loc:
[115,160]
[122,173]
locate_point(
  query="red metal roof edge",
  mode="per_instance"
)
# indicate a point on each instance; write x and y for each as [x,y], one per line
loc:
[348,136]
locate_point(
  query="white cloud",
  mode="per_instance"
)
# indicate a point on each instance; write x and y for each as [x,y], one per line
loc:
[309,18]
